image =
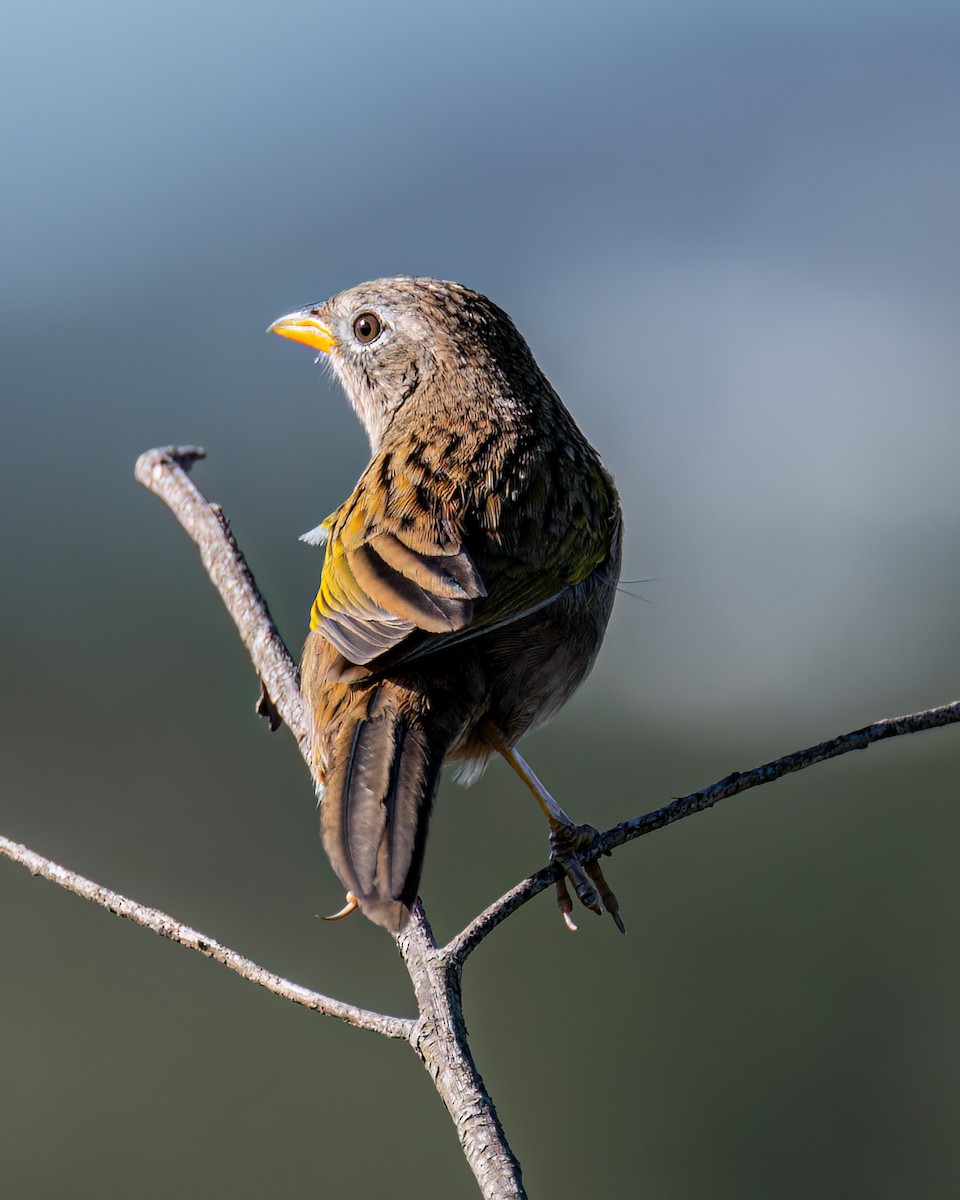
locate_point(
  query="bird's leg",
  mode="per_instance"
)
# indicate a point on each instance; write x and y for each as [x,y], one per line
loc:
[566,839]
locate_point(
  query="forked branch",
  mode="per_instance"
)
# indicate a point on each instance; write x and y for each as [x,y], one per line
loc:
[438,1033]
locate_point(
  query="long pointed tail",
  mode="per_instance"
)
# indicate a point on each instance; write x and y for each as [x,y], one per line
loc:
[382,775]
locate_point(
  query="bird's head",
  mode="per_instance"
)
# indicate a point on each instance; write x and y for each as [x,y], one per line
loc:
[392,340]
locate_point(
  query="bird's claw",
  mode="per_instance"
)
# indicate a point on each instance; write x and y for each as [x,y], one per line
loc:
[588,881]
[565,904]
[565,842]
[351,906]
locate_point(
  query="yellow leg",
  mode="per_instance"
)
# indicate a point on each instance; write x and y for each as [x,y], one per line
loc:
[566,837]
[551,809]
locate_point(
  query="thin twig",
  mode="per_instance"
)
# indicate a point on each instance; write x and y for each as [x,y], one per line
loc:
[459,947]
[165,473]
[168,927]
[733,785]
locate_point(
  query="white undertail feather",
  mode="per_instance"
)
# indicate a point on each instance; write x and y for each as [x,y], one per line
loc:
[469,770]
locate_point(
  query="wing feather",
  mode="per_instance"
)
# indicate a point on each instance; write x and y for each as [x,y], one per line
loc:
[376,589]
[395,590]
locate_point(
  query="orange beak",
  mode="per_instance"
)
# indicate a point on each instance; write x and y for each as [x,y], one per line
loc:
[303,327]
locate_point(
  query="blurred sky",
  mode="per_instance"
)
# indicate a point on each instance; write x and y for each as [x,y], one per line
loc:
[729,232]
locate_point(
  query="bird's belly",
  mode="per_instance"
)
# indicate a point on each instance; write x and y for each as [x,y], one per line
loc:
[533,667]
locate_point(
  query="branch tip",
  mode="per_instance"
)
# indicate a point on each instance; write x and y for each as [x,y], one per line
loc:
[153,461]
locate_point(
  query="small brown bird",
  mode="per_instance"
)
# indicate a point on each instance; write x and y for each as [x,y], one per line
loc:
[467,581]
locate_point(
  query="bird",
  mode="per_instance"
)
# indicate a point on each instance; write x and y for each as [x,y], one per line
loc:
[466,585]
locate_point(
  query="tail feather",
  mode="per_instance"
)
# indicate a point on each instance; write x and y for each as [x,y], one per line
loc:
[375,813]
[409,804]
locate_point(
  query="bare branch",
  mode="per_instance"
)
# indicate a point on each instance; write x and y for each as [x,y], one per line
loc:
[167,927]
[165,473]
[733,785]
[459,947]
[438,1034]
[440,1039]
[468,939]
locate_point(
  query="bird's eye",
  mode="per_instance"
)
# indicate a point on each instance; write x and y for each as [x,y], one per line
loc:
[367,327]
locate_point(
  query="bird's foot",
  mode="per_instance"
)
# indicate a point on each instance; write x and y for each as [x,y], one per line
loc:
[567,839]
[593,891]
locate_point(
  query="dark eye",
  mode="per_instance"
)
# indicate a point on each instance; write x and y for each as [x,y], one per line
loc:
[367,327]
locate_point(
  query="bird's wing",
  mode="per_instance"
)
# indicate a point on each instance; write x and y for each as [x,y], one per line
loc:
[381,582]
[390,579]
[566,539]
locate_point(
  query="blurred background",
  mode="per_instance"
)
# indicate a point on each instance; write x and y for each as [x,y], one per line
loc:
[729,232]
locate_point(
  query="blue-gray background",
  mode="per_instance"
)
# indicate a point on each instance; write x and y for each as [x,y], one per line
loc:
[729,231]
